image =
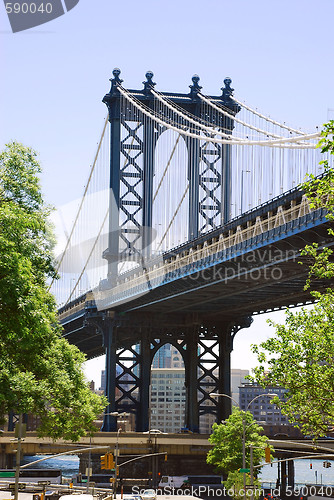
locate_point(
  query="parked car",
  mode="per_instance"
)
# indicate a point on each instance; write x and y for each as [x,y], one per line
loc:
[148,495]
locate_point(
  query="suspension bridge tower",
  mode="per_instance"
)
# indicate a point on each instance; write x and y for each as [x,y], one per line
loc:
[139,120]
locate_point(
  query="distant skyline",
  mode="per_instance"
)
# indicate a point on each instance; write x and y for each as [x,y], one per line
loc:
[278,54]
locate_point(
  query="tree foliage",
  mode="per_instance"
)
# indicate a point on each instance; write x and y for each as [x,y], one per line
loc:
[300,355]
[234,485]
[40,372]
[227,452]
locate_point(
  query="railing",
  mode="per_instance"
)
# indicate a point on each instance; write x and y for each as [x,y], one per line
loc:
[295,216]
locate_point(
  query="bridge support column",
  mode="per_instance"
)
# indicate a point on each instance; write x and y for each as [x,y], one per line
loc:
[142,416]
[110,422]
[283,479]
[193,176]
[291,474]
[224,405]
[111,254]
[226,184]
[191,369]
[149,143]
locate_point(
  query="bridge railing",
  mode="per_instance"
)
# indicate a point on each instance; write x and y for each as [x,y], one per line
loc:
[291,218]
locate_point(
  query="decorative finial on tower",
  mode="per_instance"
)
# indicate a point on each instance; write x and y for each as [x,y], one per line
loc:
[116,80]
[195,88]
[227,96]
[148,84]
[227,90]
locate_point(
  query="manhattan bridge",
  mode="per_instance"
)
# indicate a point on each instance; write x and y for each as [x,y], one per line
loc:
[191,222]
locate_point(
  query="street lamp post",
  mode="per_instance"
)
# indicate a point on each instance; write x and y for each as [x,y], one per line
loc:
[116,461]
[244,429]
[119,430]
[18,456]
[155,433]
[89,463]
[251,470]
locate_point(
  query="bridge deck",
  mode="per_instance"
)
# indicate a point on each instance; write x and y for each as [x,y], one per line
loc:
[249,266]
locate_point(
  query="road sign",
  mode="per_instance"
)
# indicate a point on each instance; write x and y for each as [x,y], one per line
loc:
[7,474]
[244,470]
[21,486]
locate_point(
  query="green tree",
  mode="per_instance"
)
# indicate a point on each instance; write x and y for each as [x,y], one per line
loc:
[300,355]
[227,439]
[40,372]
[234,485]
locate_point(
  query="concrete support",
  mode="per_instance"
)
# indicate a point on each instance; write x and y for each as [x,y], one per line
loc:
[6,459]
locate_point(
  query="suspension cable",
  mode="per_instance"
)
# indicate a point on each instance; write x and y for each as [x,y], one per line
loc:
[267,118]
[275,142]
[236,119]
[82,200]
[190,119]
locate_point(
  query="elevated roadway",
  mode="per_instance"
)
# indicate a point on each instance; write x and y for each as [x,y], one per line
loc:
[136,443]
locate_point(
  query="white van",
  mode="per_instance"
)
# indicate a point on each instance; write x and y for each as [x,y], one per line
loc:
[172,481]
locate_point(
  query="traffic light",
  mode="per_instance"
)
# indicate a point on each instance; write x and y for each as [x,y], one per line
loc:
[311,466]
[267,454]
[107,461]
[166,457]
[104,461]
[110,461]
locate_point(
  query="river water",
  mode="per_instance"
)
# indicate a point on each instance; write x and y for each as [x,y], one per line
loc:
[68,464]
[303,473]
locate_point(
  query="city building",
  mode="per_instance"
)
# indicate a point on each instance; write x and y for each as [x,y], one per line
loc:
[261,408]
[167,391]
[168,396]
[168,356]
[238,377]
[103,380]
[274,423]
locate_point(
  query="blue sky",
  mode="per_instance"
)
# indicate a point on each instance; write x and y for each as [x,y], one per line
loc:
[279,54]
